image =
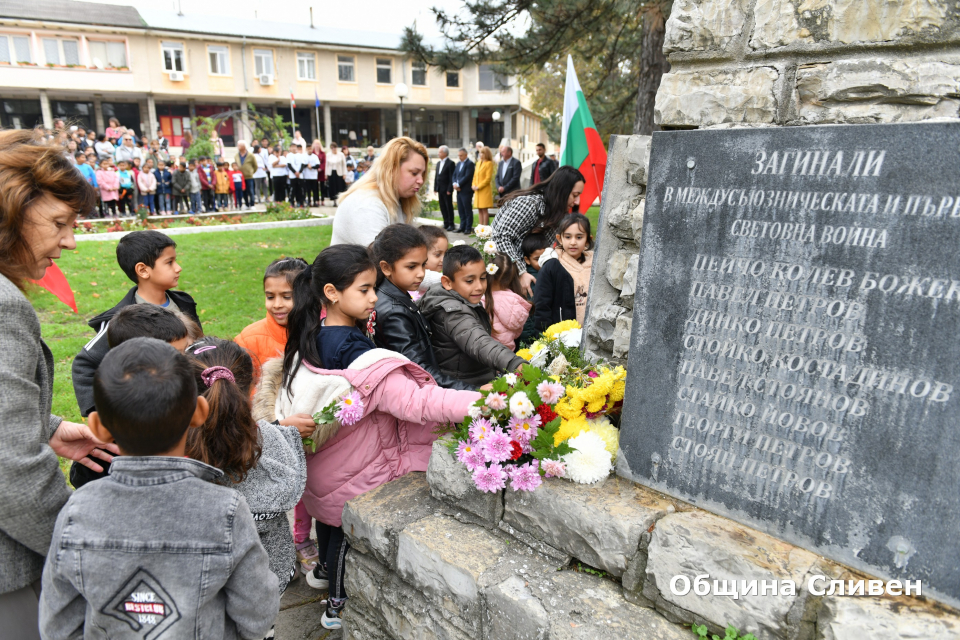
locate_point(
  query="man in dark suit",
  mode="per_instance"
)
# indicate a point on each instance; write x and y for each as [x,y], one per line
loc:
[508,173]
[463,185]
[544,167]
[443,186]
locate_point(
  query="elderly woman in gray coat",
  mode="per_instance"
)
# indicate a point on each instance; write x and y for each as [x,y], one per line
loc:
[41,194]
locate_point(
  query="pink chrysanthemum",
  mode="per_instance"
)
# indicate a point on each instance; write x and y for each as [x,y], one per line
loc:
[554,468]
[496,401]
[475,459]
[496,446]
[480,429]
[349,408]
[550,392]
[525,477]
[490,479]
[467,452]
[523,430]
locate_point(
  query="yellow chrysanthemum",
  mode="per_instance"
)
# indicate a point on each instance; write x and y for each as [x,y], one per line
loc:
[554,330]
[597,405]
[569,407]
[536,347]
[525,354]
[569,429]
[607,432]
[618,391]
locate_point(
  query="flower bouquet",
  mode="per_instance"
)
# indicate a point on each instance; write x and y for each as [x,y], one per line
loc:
[486,246]
[510,433]
[346,410]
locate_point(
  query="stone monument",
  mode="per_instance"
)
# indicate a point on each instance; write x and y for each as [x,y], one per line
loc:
[795,361]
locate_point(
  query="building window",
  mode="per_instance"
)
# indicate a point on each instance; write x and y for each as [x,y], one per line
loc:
[19,114]
[345,69]
[219,60]
[17,51]
[263,62]
[172,56]
[384,70]
[306,66]
[453,79]
[418,77]
[106,53]
[61,51]
[490,80]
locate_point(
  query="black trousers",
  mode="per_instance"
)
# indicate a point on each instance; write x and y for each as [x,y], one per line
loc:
[333,550]
[296,191]
[465,208]
[446,208]
[313,191]
[208,203]
[279,188]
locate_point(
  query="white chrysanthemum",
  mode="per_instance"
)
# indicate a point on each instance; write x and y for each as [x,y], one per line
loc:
[457,243]
[483,231]
[511,379]
[559,365]
[590,461]
[539,359]
[474,412]
[520,406]
[490,247]
[492,268]
[571,338]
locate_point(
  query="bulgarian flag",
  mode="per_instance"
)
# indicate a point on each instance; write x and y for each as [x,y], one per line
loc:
[56,283]
[580,143]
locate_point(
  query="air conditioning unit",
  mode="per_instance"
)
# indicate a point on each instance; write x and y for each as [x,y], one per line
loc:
[176,76]
[266,79]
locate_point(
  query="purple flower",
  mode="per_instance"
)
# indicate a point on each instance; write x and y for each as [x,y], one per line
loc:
[469,453]
[554,468]
[496,446]
[525,477]
[523,430]
[550,392]
[480,429]
[349,408]
[490,479]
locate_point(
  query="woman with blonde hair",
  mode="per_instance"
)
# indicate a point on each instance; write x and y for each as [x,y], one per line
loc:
[483,184]
[385,195]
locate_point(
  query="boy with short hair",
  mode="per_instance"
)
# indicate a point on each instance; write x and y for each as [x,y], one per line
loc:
[461,325]
[135,321]
[149,258]
[194,188]
[205,172]
[181,187]
[183,555]
[223,185]
[164,188]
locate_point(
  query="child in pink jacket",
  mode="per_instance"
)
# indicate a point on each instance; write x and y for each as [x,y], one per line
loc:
[108,180]
[505,303]
[147,184]
[323,360]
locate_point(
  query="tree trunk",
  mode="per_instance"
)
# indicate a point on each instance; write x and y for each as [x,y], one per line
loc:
[653,64]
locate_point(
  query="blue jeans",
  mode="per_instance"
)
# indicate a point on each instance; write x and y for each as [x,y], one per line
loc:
[195,203]
[164,202]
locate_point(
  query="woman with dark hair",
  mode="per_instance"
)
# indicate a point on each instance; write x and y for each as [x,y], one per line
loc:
[41,195]
[536,209]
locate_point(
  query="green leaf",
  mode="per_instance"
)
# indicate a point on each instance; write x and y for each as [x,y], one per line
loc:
[500,385]
[531,374]
[732,633]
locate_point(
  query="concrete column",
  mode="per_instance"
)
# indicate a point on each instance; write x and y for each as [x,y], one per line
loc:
[246,131]
[192,112]
[152,115]
[45,110]
[98,115]
[399,121]
[465,127]
[144,117]
[508,125]
[383,127]
[327,125]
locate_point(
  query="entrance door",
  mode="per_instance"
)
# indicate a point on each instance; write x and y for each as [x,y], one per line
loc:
[490,133]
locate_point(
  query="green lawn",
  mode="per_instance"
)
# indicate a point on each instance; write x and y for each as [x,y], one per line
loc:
[223,271]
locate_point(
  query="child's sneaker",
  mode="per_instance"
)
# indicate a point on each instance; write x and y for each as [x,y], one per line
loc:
[331,618]
[318,578]
[307,556]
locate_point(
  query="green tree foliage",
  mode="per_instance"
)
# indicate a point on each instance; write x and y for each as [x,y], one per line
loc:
[201,146]
[607,38]
[274,128]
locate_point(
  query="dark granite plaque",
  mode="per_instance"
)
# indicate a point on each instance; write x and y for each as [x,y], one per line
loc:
[795,358]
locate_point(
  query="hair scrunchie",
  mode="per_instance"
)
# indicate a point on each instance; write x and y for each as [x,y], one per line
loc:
[212,374]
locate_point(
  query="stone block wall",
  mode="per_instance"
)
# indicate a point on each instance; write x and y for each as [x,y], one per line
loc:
[762,63]
[433,558]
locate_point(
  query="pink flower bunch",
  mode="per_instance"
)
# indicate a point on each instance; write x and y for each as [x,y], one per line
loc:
[525,477]
[523,430]
[480,429]
[349,408]
[490,479]
[554,468]
[550,392]
[496,446]
[470,454]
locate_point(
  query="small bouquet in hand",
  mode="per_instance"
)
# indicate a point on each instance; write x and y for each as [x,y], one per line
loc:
[346,410]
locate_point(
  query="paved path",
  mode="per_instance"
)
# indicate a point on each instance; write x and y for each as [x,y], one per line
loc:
[300,611]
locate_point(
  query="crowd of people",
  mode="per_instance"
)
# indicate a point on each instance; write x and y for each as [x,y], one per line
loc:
[132,173]
[193,440]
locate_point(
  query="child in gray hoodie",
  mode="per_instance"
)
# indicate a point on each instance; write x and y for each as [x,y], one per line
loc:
[262,460]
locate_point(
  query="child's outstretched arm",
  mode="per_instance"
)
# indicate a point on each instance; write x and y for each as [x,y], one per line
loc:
[396,331]
[472,338]
[400,396]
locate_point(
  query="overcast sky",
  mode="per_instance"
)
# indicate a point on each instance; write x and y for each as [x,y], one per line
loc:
[388,16]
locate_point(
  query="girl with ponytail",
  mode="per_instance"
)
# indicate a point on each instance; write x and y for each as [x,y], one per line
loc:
[399,404]
[263,461]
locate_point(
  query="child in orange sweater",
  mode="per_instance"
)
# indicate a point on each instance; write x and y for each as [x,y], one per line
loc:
[265,340]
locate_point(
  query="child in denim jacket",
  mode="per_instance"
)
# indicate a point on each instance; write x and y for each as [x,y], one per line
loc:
[182,557]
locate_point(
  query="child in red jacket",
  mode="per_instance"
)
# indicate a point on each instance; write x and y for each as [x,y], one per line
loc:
[237,184]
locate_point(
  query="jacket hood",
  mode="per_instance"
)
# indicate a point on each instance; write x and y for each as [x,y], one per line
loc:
[96,322]
[511,310]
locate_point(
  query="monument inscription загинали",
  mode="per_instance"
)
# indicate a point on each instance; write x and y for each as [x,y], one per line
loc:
[795,358]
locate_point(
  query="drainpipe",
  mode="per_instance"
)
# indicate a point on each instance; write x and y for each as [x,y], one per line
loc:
[243,63]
